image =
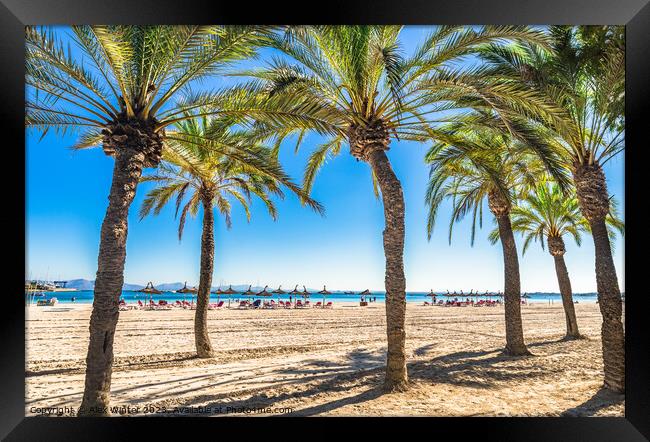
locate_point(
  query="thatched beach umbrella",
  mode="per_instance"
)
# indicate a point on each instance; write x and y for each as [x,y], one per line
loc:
[279,292]
[305,294]
[190,290]
[218,292]
[187,289]
[249,292]
[229,291]
[324,292]
[264,292]
[150,290]
[295,291]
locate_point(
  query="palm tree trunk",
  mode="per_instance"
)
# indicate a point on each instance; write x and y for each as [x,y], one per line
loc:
[393,199]
[108,283]
[609,300]
[515,344]
[567,297]
[201,336]
[593,198]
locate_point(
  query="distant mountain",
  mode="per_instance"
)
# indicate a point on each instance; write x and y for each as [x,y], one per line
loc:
[80,284]
[171,286]
[127,286]
[86,284]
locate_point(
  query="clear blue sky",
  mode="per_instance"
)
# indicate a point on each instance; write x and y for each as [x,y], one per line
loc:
[67,194]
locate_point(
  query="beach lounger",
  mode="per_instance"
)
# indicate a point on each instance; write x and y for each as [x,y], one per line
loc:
[329,305]
[256,303]
[299,304]
[318,304]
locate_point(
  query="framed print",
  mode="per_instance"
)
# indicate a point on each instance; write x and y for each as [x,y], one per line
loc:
[371,212]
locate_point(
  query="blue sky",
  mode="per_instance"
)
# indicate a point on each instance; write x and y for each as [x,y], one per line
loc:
[67,194]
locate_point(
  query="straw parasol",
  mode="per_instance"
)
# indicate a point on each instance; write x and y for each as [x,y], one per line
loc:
[229,292]
[150,290]
[305,294]
[264,292]
[187,289]
[249,292]
[324,292]
[431,295]
[279,292]
[190,290]
[366,292]
[218,292]
[295,291]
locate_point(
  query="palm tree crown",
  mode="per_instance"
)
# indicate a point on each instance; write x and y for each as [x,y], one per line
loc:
[121,93]
[196,168]
[354,84]
[475,164]
[547,213]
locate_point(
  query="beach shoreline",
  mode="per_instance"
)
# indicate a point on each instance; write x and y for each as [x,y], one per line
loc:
[323,362]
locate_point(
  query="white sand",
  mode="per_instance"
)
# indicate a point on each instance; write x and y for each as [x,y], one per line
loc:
[326,362]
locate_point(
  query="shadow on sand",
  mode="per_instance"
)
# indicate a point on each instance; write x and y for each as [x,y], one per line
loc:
[363,369]
[602,399]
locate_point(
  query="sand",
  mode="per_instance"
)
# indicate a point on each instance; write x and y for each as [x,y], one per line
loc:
[324,362]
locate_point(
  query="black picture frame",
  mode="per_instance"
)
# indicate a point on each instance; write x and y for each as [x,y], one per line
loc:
[635,14]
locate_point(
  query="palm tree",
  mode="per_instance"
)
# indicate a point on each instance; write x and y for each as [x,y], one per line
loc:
[352,85]
[120,93]
[548,214]
[195,170]
[473,165]
[589,85]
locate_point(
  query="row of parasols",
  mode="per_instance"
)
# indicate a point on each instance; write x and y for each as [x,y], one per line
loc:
[229,291]
[151,290]
[304,293]
[471,294]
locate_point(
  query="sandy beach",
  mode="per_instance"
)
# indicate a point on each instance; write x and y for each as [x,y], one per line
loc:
[324,362]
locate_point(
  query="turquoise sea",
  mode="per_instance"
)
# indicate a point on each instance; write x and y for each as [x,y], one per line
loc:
[86,297]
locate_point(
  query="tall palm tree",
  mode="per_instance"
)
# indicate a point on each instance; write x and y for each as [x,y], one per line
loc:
[118,89]
[473,165]
[197,174]
[353,85]
[589,85]
[548,214]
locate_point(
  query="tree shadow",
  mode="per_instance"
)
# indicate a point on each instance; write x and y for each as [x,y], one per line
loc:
[483,369]
[602,399]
